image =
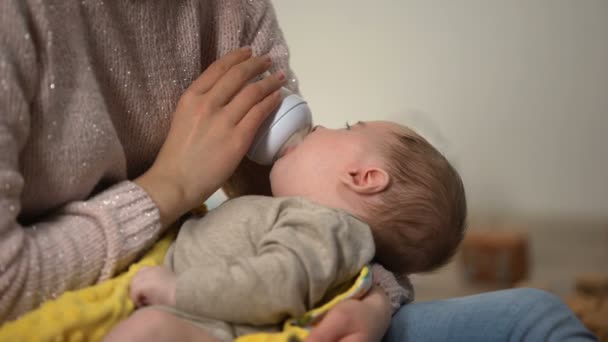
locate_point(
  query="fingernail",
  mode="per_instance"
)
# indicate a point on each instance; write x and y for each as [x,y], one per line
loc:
[280,76]
[267,60]
[247,49]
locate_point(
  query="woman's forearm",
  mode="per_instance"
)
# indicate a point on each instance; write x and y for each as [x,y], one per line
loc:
[81,243]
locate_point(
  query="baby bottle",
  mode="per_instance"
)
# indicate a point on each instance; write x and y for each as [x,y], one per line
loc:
[282,129]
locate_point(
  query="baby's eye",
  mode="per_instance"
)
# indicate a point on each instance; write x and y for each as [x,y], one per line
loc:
[347,126]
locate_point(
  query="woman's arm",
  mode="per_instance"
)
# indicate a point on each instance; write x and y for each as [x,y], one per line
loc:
[78,244]
[88,241]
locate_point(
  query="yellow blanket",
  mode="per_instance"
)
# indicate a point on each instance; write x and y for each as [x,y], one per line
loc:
[87,314]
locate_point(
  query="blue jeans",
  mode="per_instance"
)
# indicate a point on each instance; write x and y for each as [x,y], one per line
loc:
[509,315]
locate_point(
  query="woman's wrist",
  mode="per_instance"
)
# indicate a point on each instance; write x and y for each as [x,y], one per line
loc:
[170,200]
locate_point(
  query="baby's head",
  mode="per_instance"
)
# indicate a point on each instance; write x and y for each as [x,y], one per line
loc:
[388,176]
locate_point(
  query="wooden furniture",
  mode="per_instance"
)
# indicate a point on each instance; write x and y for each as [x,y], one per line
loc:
[497,258]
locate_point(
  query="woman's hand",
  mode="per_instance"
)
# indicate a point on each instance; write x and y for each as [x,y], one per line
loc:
[355,320]
[212,129]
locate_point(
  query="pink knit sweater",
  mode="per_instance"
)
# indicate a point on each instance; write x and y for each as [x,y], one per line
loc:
[87,89]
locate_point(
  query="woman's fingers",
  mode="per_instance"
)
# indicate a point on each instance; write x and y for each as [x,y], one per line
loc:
[252,95]
[236,78]
[249,124]
[212,127]
[217,69]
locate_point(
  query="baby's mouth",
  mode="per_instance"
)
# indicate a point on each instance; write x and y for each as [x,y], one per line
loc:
[285,150]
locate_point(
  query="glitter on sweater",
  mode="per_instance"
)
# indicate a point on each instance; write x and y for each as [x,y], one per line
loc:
[75,95]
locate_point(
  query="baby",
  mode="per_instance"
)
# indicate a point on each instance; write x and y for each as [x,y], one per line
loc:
[341,198]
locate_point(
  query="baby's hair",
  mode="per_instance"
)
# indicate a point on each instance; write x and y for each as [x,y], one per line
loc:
[420,219]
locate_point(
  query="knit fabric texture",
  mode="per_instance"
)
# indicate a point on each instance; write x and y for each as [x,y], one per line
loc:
[87,91]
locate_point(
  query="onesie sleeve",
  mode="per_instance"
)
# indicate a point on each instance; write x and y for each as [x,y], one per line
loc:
[296,264]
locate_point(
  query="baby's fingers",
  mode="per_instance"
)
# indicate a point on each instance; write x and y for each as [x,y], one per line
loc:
[136,286]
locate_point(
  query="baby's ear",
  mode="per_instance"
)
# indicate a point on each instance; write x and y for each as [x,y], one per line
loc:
[367,180]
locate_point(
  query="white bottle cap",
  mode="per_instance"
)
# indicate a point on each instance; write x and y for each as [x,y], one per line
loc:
[292,116]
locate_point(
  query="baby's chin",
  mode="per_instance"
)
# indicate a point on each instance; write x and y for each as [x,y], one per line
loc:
[284,191]
[278,184]
[275,188]
[278,191]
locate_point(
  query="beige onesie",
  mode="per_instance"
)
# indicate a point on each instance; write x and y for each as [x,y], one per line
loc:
[255,261]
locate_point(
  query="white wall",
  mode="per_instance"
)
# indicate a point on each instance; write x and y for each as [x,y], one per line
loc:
[515,92]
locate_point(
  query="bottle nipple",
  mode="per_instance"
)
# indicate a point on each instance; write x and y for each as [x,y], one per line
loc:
[294,140]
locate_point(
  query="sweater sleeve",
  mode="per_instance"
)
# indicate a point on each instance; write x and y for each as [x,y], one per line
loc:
[80,243]
[398,292]
[302,258]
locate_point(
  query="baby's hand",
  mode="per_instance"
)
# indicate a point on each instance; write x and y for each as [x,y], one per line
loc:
[153,286]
